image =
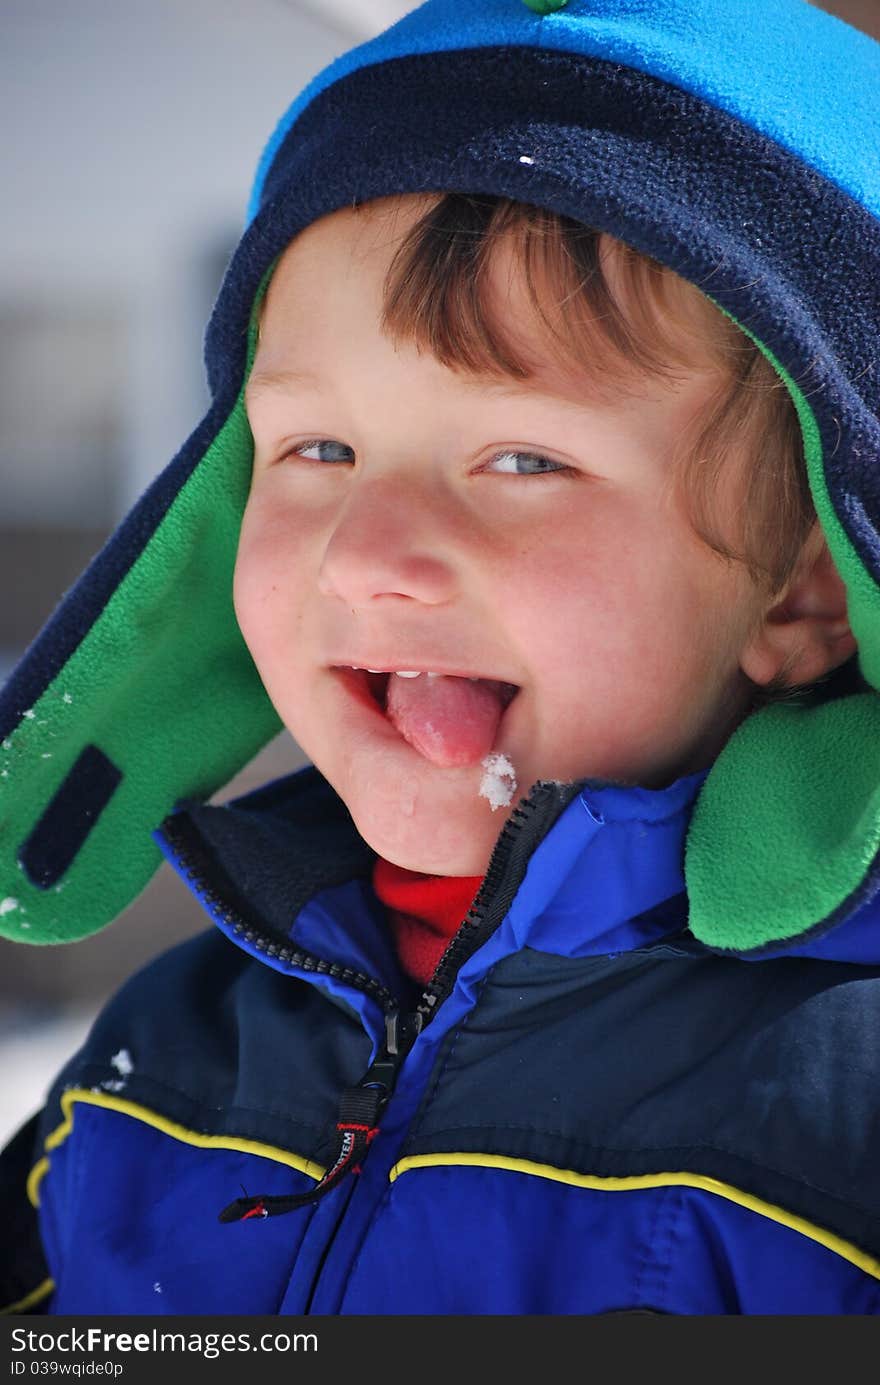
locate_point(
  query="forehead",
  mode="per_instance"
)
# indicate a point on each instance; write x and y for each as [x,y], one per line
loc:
[333,276]
[351,248]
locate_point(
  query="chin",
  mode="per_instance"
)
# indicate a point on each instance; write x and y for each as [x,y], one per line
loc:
[462,847]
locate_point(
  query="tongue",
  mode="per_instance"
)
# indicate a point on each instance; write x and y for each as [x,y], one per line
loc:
[451,721]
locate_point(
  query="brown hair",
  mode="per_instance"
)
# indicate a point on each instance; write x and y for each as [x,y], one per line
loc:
[652,322]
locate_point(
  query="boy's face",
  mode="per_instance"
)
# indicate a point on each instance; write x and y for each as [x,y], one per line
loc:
[423,534]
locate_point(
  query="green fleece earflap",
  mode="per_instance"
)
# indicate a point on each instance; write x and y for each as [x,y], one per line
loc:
[162,690]
[788,821]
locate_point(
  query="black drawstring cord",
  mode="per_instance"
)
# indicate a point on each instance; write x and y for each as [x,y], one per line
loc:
[357,1125]
[358,1112]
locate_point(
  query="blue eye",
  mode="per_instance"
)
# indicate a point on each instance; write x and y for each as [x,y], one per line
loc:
[538,464]
[323,450]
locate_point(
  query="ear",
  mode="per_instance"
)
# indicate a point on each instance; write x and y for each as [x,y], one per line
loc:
[805,633]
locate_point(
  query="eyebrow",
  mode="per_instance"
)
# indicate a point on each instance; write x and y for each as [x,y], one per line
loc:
[282,381]
[289,381]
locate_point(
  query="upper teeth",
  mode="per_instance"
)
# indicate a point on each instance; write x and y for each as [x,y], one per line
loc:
[402,672]
[409,672]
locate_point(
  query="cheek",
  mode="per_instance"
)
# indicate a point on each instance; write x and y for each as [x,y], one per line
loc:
[606,609]
[248,580]
[576,598]
[264,577]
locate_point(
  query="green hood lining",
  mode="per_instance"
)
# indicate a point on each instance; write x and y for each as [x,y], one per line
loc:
[785,829]
[787,824]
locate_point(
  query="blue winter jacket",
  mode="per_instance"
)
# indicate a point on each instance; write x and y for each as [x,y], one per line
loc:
[645,1073]
[600,1114]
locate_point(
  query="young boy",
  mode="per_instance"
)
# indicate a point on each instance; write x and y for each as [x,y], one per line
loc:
[543,448]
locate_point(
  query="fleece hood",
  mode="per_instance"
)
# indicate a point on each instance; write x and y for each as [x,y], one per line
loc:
[737,144]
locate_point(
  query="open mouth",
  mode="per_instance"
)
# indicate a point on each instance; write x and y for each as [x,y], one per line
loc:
[375,685]
[453,720]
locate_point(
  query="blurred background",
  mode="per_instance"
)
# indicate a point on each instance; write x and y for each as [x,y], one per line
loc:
[131,133]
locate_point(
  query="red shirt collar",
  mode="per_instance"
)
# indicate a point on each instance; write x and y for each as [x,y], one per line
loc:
[424,911]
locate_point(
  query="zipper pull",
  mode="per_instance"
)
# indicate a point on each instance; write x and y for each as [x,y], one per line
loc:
[357,1124]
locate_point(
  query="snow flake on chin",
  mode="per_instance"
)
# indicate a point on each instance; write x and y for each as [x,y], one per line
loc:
[498,784]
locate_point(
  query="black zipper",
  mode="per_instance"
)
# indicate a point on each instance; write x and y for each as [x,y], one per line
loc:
[361,1105]
[195,864]
[526,827]
[529,822]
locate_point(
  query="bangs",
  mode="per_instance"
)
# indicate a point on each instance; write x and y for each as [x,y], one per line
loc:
[598,301]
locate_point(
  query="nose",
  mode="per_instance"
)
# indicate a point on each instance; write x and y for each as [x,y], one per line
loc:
[390,538]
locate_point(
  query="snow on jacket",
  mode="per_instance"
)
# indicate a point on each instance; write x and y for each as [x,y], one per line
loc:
[691,1111]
